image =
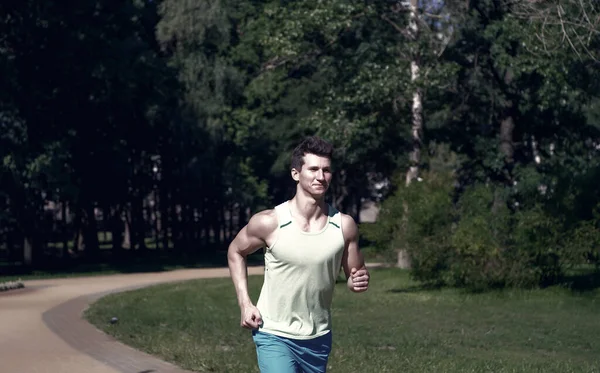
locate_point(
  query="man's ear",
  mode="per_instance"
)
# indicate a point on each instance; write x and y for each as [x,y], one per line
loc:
[295,174]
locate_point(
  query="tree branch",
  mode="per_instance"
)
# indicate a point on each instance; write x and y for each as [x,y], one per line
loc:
[565,34]
[395,26]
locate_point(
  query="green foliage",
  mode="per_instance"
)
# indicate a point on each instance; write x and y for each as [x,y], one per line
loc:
[418,218]
[583,244]
[216,94]
[538,246]
[479,239]
[474,240]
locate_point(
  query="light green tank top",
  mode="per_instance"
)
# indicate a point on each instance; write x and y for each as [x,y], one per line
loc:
[301,269]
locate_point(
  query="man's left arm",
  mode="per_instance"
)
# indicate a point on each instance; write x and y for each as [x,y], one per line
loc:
[353,261]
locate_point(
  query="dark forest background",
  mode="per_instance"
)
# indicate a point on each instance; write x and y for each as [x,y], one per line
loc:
[152,130]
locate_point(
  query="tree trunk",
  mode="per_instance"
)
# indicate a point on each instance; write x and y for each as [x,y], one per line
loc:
[126,244]
[90,230]
[78,243]
[28,257]
[175,223]
[230,222]
[220,226]
[188,230]
[535,151]
[403,260]
[65,229]
[417,102]
[340,191]
[164,220]
[137,223]
[163,216]
[116,229]
[155,217]
[242,218]
[204,230]
[507,126]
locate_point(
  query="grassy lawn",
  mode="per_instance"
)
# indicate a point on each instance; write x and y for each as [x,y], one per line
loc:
[395,327]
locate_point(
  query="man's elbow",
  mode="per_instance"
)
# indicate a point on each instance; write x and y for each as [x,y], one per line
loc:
[233,253]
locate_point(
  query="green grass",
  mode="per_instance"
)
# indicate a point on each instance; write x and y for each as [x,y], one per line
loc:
[395,327]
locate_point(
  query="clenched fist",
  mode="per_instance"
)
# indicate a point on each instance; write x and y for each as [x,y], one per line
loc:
[251,318]
[359,280]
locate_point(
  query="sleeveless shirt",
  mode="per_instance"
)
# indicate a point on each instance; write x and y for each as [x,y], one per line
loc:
[301,269]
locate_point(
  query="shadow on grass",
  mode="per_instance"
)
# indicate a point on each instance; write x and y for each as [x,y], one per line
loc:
[583,282]
[415,289]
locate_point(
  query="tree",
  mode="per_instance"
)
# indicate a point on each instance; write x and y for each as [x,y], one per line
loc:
[556,23]
[80,92]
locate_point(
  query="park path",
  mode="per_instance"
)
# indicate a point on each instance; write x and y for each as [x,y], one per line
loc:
[42,330]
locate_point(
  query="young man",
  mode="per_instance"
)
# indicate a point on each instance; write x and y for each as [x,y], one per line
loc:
[307,241]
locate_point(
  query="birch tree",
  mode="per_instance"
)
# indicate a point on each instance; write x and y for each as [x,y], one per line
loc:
[417,100]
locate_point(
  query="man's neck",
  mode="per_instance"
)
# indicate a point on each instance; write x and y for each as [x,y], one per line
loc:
[308,207]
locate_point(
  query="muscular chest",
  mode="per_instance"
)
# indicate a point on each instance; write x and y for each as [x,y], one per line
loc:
[303,249]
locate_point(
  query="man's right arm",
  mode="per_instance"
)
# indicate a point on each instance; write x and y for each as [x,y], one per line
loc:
[250,238]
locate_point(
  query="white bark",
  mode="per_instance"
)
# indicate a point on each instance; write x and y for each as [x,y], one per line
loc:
[536,153]
[126,243]
[417,104]
[417,117]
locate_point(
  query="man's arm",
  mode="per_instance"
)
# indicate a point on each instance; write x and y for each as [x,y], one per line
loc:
[249,239]
[353,261]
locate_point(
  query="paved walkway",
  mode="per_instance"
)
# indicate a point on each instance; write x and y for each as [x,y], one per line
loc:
[41,329]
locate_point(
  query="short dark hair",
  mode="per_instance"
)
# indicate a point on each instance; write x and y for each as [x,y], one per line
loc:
[311,145]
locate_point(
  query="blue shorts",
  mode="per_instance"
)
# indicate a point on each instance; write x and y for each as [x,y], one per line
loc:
[285,355]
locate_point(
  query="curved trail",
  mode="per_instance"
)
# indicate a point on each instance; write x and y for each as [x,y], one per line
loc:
[41,329]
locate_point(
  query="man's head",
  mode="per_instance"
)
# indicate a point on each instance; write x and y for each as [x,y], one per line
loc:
[311,165]
[310,145]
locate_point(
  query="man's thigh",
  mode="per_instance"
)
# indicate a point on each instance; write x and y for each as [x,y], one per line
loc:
[312,355]
[274,354]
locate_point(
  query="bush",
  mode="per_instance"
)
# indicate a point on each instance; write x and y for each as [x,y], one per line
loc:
[538,247]
[418,219]
[11,285]
[583,245]
[481,239]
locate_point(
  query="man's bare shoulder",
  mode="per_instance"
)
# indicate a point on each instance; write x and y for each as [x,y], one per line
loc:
[263,223]
[349,226]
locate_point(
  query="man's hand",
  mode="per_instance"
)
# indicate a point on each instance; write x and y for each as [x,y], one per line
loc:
[251,318]
[358,281]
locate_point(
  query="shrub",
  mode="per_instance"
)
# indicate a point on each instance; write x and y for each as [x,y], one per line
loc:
[11,285]
[538,247]
[418,219]
[480,239]
[582,245]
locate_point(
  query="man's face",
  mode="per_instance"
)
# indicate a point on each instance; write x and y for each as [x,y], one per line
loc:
[315,174]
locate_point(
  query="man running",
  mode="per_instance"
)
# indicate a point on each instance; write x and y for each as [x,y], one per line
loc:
[306,241]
